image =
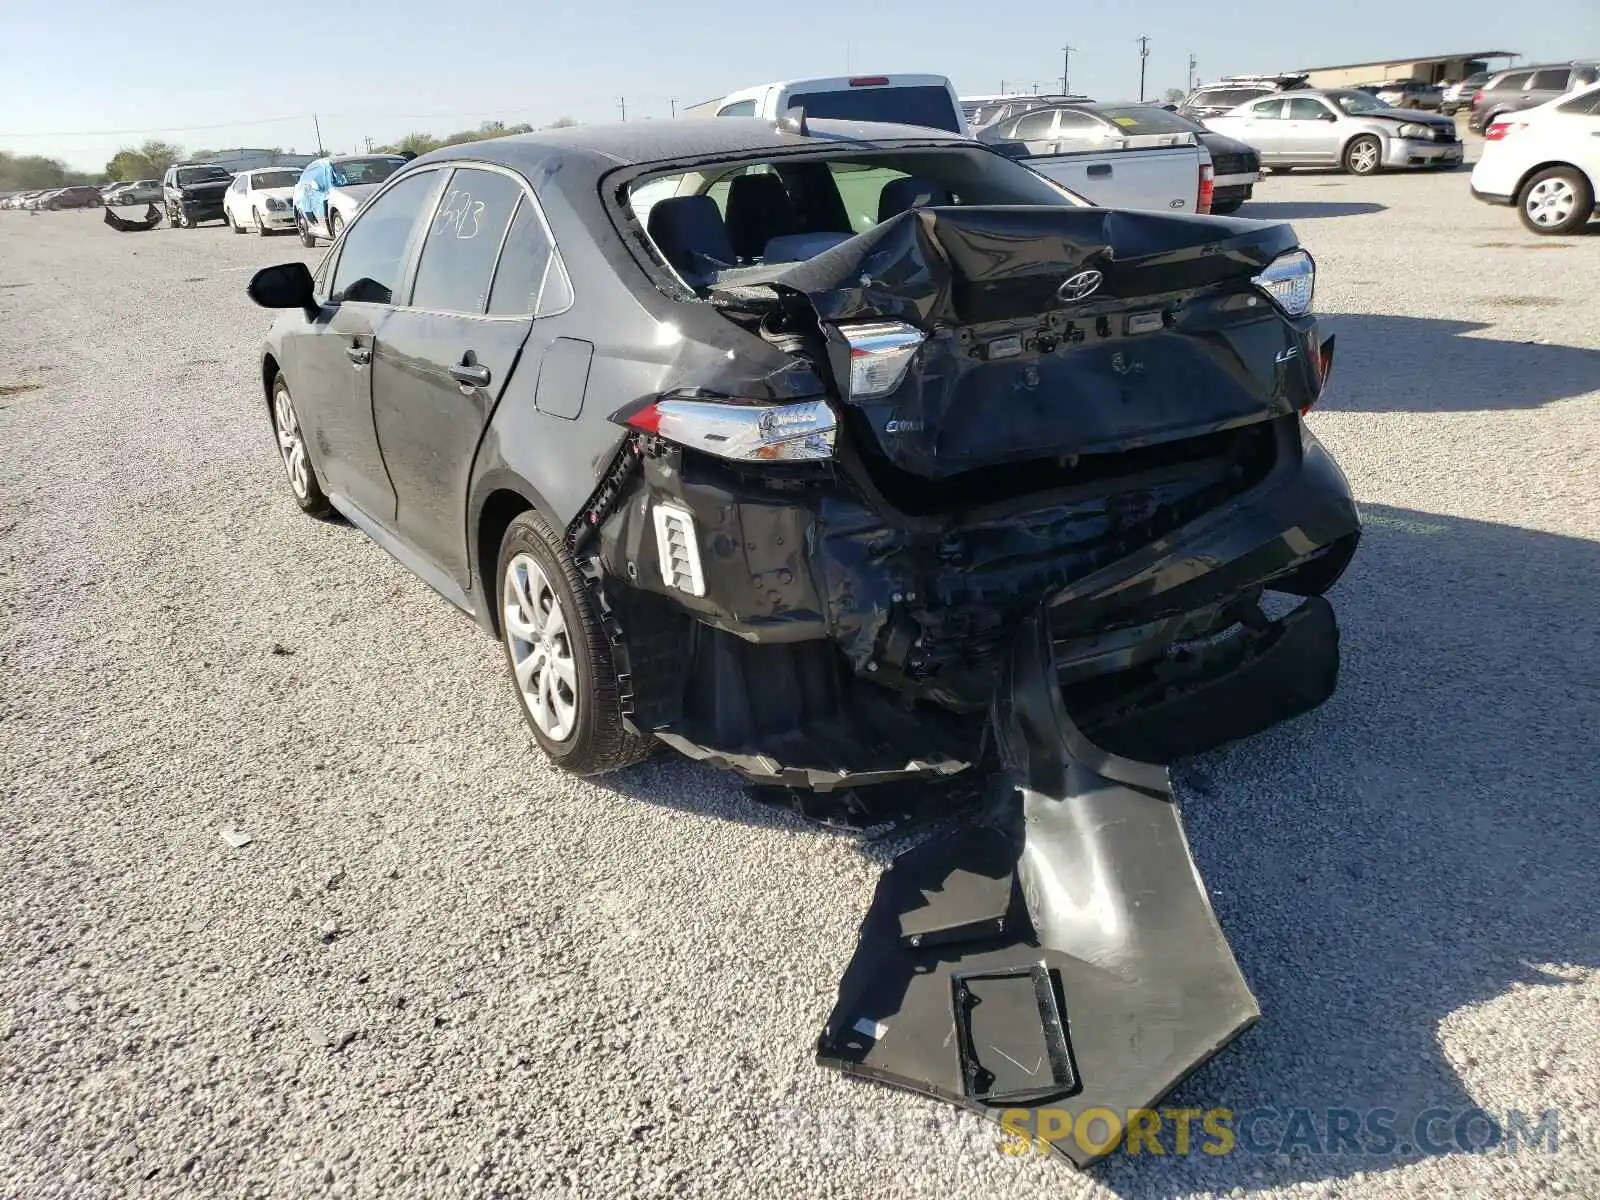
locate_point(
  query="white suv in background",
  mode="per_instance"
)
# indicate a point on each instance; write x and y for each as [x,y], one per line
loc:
[1545,161]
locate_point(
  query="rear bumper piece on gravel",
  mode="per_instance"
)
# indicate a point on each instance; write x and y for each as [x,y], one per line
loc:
[1059,960]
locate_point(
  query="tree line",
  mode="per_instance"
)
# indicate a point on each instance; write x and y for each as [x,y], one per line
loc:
[151,159]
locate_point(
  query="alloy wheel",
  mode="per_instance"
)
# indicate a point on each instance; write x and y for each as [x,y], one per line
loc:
[1550,201]
[541,648]
[1364,158]
[291,444]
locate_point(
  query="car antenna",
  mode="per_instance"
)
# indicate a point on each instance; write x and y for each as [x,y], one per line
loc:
[794,120]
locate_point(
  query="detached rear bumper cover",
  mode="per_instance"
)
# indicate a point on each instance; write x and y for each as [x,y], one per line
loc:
[1066,957]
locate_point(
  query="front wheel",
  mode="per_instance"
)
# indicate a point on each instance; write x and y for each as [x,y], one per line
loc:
[559,655]
[233,223]
[260,225]
[303,482]
[1364,155]
[1556,200]
[335,224]
[307,238]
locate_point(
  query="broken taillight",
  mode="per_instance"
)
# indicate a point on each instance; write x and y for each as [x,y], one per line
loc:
[1323,362]
[744,430]
[1208,188]
[880,352]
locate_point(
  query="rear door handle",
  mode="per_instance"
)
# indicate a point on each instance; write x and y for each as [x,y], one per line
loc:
[1099,170]
[360,355]
[470,375]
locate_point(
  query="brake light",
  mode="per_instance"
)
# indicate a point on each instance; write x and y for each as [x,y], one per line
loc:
[869,81]
[1208,188]
[1501,129]
[880,352]
[743,430]
[1476,96]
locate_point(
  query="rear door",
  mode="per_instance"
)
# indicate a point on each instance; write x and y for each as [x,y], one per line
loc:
[1262,125]
[444,359]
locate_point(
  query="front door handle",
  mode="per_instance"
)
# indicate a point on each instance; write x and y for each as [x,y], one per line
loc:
[359,354]
[470,375]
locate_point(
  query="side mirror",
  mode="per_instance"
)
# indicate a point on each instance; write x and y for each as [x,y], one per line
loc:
[287,285]
[1328,116]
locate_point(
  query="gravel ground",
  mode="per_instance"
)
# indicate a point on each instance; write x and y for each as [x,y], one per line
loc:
[441,968]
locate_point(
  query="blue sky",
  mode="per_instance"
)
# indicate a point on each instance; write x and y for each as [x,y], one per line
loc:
[97,76]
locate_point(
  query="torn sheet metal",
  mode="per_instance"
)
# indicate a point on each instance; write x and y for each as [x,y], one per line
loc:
[1063,957]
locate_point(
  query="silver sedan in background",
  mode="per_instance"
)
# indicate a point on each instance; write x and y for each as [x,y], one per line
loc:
[1341,127]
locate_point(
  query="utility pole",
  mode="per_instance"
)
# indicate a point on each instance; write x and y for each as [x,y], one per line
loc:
[674,104]
[317,125]
[1192,65]
[1002,87]
[622,103]
[1066,69]
[1144,53]
[368,141]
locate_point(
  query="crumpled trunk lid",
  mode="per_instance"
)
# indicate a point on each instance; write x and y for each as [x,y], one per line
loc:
[1053,331]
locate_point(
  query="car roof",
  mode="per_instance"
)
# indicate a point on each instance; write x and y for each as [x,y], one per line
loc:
[641,142]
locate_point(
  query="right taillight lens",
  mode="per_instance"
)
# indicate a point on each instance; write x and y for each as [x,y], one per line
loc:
[880,352]
[1208,188]
[1500,130]
[1291,281]
[741,430]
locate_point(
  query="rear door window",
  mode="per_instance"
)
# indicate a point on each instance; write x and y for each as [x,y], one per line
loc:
[931,107]
[463,241]
[374,253]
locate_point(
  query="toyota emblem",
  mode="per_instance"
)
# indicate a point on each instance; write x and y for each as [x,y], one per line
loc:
[1080,286]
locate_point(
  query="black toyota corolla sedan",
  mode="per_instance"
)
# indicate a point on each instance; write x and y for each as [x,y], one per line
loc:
[758,440]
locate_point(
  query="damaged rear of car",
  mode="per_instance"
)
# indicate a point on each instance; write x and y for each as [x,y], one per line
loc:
[992,397]
[848,455]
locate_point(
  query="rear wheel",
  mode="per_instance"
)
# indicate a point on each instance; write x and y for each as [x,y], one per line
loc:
[559,655]
[1364,155]
[1556,200]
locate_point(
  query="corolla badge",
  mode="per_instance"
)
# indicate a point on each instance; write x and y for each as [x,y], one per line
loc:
[1080,286]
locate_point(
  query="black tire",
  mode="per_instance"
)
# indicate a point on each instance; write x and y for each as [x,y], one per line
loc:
[307,238]
[261,226]
[1222,208]
[1363,155]
[335,224]
[599,741]
[227,215]
[311,498]
[1552,191]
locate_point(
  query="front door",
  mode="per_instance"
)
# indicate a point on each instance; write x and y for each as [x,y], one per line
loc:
[1310,131]
[331,372]
[444,361]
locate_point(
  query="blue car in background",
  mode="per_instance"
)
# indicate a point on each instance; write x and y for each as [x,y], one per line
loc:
[331,189]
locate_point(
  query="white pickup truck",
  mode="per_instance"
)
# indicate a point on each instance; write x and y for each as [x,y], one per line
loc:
[1112,161]
[1119,156]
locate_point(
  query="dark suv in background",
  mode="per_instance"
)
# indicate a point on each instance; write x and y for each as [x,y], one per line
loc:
[193,192]
[1526,87]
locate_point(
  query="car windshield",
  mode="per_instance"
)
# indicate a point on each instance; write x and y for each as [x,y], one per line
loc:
[926,106]
[274,179]
[354,172]
[1357,103]
[187,175]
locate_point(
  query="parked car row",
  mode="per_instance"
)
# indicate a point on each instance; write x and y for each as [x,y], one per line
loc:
[78,196]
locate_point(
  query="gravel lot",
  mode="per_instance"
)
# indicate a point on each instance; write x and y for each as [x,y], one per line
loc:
[443,969]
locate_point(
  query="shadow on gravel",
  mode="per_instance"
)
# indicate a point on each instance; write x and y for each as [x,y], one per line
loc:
[1423,842]
[1421,364]
[1305,210]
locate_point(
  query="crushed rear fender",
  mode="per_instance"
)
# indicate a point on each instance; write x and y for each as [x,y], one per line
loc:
[1061,958]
